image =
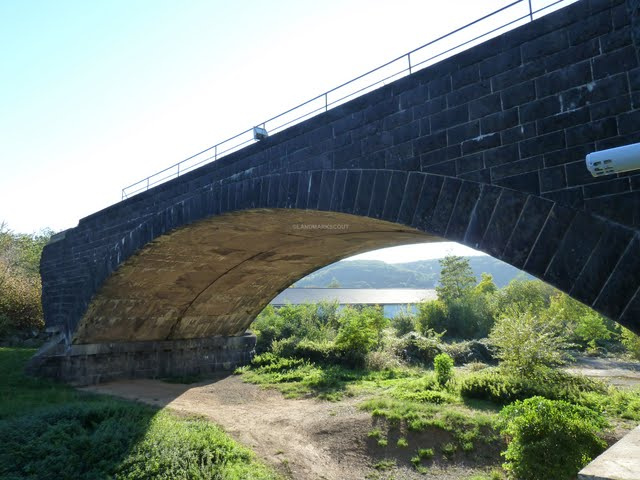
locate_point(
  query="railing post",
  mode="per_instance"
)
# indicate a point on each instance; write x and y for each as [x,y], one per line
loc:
[530,12]
[147,183]
[215,153]
[409,60]
[326,103]
[178,171]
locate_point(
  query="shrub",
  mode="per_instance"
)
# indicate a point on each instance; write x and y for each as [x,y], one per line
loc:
[550,439]
[20,306]
[631,342]
[527,343]
[443,365]
[356,336]
[318,352]
[381,360]
[495,386]
[468,317]
[469,351]
[403,322]
[417,349]
[432,315]
[316,322]
[581,324]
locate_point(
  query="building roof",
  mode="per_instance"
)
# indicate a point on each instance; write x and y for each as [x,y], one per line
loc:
[354,296]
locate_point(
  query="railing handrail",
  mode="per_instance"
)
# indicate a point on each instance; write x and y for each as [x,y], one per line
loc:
[146,183]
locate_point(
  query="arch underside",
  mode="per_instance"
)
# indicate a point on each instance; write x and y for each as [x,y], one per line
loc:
[234,247]
[214,276]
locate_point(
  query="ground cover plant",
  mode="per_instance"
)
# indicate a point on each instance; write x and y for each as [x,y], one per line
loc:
[51,431]
[508,346]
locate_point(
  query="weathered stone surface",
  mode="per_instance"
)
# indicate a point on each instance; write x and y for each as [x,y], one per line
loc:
[620,462]
[486,147]
[95,363]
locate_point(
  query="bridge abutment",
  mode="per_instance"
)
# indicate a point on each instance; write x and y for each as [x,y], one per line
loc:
[89,364]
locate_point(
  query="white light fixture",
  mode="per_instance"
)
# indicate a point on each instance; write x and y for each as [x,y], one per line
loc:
[259,133]
[614,160]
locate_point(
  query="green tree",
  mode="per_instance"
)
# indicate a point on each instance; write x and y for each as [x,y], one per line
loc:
[20,288]
[528,343]
[456,278]
[486,286]
[522,296]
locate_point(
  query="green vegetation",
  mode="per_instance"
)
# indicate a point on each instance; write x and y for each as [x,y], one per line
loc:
[631,342]
[528,343]
[51,431]
[550,438]
[443,366]
[510,342]
[20,308]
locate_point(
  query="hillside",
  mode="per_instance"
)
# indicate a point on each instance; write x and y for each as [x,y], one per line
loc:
[419,274]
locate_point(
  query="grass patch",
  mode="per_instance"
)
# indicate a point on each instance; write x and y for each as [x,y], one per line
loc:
[50,431]
[402,443]
[460,418]
[385,465]
[296,377]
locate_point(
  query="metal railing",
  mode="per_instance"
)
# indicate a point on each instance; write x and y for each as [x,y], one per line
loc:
[510,16]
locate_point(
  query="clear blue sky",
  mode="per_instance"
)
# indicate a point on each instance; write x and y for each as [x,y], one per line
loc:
[99,94]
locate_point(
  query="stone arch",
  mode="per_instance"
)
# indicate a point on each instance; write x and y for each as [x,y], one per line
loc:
[592,259]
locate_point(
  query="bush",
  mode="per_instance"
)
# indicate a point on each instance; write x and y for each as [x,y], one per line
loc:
[468,317]
[469,351]
[631,342]
[527,343]
[381,360]
[356,335]
[492,385]
[417,349]
[443,366]
[20,307]
[317,322]
[319,352]
[403,322]
[432,316]
[550,439]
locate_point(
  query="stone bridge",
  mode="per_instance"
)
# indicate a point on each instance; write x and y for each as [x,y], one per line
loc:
[485,148]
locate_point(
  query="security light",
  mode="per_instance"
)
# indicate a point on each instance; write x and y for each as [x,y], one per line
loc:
[259,133]
[614,160]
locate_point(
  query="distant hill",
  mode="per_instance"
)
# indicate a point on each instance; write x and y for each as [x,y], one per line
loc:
[420,274]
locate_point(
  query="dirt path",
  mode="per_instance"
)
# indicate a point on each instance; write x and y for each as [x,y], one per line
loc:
[621,373]
[304,439]
[309,439]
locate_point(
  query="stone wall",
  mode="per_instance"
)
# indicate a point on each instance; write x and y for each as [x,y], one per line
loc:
[488,145]
[89,364]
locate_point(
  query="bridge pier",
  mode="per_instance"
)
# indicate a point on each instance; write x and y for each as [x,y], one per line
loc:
[88,364]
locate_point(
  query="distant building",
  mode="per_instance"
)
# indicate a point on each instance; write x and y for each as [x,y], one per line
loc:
[392,300]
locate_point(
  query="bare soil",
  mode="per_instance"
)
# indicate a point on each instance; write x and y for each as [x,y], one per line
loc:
[314,439]
[302,438]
